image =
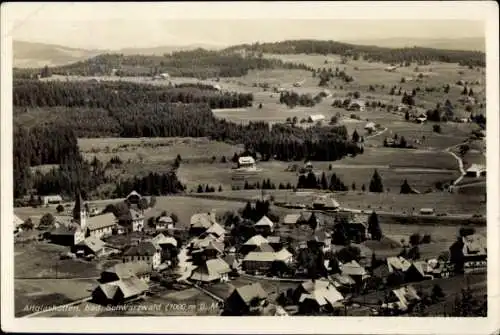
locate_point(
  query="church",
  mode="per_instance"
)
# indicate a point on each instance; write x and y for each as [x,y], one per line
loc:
[82,225]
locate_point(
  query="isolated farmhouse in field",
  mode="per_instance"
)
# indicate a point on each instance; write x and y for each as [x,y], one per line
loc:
[476,170]
[246,163]
[51,200]
[315,118]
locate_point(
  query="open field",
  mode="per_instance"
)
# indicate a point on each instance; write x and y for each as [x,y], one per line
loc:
[155,149]
[41,260]
[49,292]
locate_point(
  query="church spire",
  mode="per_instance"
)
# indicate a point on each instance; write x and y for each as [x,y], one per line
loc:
[79,209]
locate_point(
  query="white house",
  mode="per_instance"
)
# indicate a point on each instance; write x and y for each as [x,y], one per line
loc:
[370,126]
[264,226]
[213,270]
[137,220]
[476,170]
[317,118]
[246,162]
[51,200]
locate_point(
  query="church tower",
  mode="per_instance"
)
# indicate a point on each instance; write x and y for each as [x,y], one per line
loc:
[79,211]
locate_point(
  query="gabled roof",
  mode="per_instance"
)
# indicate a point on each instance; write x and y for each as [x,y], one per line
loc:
[201,220]
[142,249]
[256,240]
[406,294]
[165,220]
[161,239]
[249,292]
[283,255]
[291,218]
[321,291]
[134,193]
[216,229]
[274,239]
[268,256]
[398,263]
[265,222]
[129,269]
[246,160]
[101,221]
[93,243]
[353,269]
[17,221]
[370,125]
[212,269]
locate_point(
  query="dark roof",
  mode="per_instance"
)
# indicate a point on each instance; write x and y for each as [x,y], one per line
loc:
[142,249]
[251,291]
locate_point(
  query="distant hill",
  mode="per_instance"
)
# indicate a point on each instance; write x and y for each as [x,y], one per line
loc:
[28,54]
[36,55]
[467,43]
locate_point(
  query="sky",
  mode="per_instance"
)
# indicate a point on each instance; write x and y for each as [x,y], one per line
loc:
[120,25]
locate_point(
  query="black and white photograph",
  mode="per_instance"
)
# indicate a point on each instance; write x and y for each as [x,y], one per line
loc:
[229,160]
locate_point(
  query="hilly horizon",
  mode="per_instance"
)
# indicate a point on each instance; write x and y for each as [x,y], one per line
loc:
[36,54]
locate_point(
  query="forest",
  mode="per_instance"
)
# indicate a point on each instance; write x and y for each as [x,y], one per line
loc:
[199,63]
[133,110]
[369,53]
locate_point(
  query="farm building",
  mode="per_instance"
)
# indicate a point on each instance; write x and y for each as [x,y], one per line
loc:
[144,251]
[275,242]
[164,223]
[164,241]
[401,299]
[370,127]
[476,170]
[209,251]
[357,106]
[120,271]
[264,226]
[471,252]
[355,271]
[164,76]
[217,230]
[120,291]
[422,118]
[427,211]
[315,296]
[134,197]
[316,118]
[51,200]
[212,270]
[325,202]
[245,299]
[100,225]
[200,222]
[291,219]
[246,163]
[90,246]
[256,243]
[263,261]
[391,69]
[217,87]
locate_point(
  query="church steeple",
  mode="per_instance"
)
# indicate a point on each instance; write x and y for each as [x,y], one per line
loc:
[79,212]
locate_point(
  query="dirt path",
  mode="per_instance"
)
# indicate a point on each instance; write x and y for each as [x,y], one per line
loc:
[460,165]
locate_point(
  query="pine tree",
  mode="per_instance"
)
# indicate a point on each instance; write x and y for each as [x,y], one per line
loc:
[374,227]
[376,185]
[323,182]
[405,187]
[353,186]
[407,116]
[363,188]
[355,136]
[200,189]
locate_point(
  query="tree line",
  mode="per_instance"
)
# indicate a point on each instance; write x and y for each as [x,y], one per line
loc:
[197,63]
[370,53]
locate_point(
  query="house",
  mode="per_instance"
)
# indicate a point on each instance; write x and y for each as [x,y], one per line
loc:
[316,296]
[275,242]
[99,226]
[322,239]
[427,211]
[358,227]
[264,226]
[144,251]
[422,118]
[134,197]
[342,282]
[397,264]
[216,230]
[355,271]
[164,223]
[245,300]
[90,246]
[308,167]
[315,118]
[291,219]
[325,202]
[357,106]
[370,127]
[211,250]
[472,251]
[476,170]
[165,75]
[256,243]
[257,261]
[217,87]
[51,200]
[246,163]
[67,233]
[391,69]
[401,299]
[210,271]
[164,241]
[139,269]
[200,222]
[120,291]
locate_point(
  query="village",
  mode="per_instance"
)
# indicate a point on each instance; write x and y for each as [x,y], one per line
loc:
[309,261]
